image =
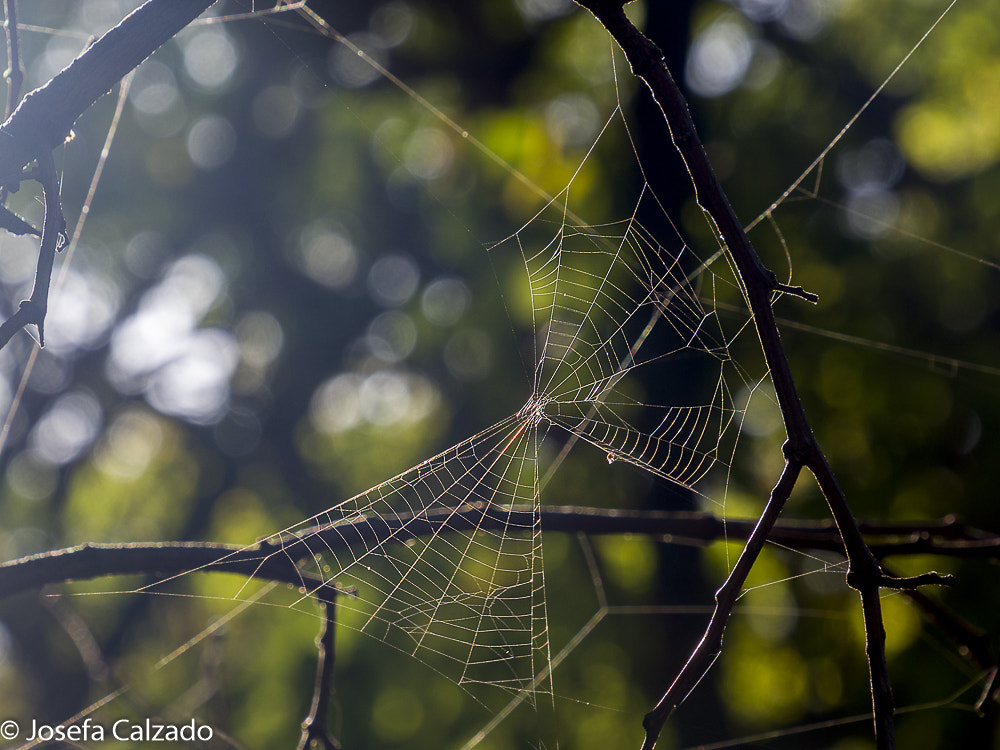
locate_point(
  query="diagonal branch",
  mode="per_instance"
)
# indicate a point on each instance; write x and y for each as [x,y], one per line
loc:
[759,285]
[45,117]
[710,646]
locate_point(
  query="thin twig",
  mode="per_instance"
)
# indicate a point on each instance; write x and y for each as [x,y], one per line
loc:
[33,309]
[759,284]
[710,646]
[15,72]
[82,637]
[315,732]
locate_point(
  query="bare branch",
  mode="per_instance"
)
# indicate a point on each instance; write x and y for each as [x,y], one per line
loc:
[278,559]
[315,732]
[162,560]
[165,559]
[45,117]
[759,284]
[710,646]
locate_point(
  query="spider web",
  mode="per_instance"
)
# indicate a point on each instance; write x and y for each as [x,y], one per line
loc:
[456,576]
[600,293]
[468,595]
[446,558]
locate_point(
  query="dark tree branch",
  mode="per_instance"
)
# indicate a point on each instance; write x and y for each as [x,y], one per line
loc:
[315,732]
[866,577]
[280,559]
[167,559]
[33,309]
[759,285]
[710,646]
[45,117]
[161,560]
[14,223]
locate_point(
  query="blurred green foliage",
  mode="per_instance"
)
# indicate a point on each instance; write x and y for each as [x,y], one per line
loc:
[292,284]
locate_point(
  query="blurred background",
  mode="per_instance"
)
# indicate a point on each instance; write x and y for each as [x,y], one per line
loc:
[282,293]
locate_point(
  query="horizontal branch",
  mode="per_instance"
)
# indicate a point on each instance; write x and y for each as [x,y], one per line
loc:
[946,537]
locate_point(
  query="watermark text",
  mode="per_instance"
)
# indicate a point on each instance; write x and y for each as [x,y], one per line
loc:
[123,730]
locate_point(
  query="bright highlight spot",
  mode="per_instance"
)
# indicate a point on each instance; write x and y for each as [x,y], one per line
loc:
[719,58]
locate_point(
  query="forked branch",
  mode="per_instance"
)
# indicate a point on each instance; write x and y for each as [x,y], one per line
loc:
[44,119]
[33,309]
[759,285]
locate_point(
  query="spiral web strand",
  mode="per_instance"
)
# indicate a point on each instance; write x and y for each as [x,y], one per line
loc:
[602,293]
